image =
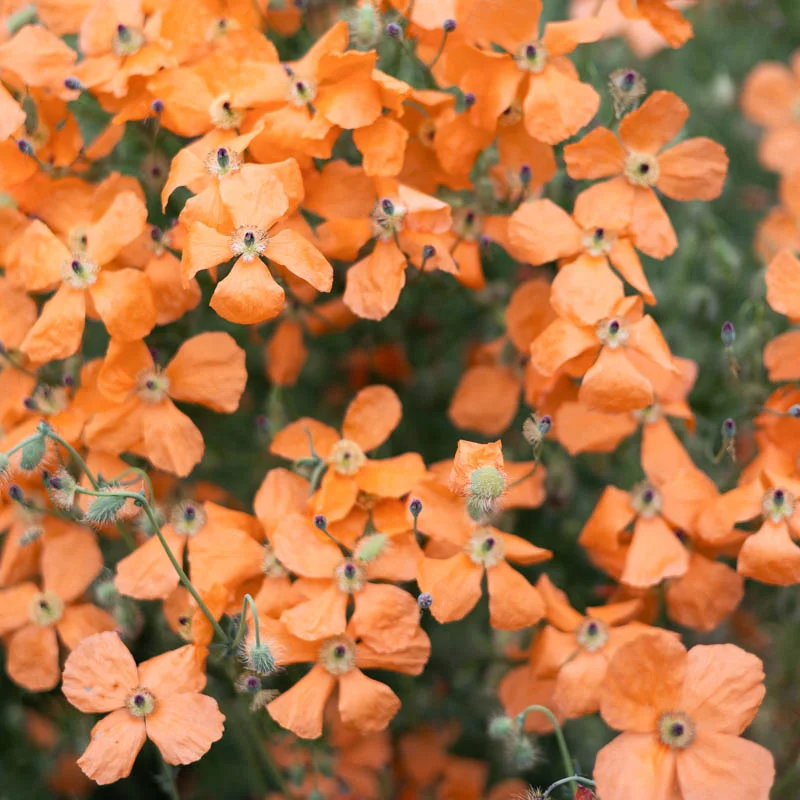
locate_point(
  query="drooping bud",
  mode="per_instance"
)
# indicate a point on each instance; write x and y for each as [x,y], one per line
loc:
[627,86]
[728,429]
[522,753]
[535,428]
[104,510]
[503,727]
[61,487]
[321,522]
[33,453]
[258,657]
[25,147]
[15,493]
[365,25]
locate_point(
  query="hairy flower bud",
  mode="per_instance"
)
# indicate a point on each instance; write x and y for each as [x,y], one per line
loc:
[258,657]
[370,547]
[104,510]
[486,487]
[33,453]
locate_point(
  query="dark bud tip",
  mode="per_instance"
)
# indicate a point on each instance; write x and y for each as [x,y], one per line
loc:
[68,380]
[469,99]
[425,601]
[728,334]
[29,403]
[15,492]
[394,31]
[485,241]
[415,507]
[25,147]
[794,411]
[525,174]
[429,251]
[73,84]
[545,423]
[321,521]
[157,106]
[729,428]
[449,25]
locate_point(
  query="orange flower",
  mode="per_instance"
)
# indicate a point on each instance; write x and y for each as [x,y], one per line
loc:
[600,352]
[782,354]
[663,16]
[695,169]
[208,369]
[368,422]
[365,704]
[578,648]
[385,617]
[159,700]
[531,66]
[681,715]
[780,229]
[540,231]
[35,619]
[770,96]
[257,204]
[122,298]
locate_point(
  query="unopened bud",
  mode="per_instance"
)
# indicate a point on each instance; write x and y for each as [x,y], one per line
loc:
[503,727]
[370,547]
[157,106]
[525,174]
[32,454]
[429,251]
[728,429]
[425,601]
[449,25]
[394,31]
[415,507]
[365,25]
[15,493]
[794,411]
[61,487]
[522,753]
[627,86]
[104,510]
[259,658]
[728,334]
[25,147]
[73,84]
[321,522]
[584,793]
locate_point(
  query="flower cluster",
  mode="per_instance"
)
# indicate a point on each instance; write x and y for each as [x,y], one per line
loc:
[232,232]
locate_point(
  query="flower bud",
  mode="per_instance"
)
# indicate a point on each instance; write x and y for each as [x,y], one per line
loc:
[425,601]
[394,31]
[728,334]
[486,487]
[365,25]
[157,106]
[503,727]
[61,487]
[728,429]
[321,522]
[32,454]
[522,753]
[15,493]
[370,547]
[794,411]
[627,86]
[259,658]
[415,507]
[449,25]
[470,99]
[73,84]
[25,147]
[525,175]
[429,251]
[104,510]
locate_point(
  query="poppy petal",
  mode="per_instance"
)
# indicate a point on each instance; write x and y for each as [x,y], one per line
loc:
[76,547]
[301,708]
[454,583]
[540,231]
[366,704]
[614,385]
[655,553]
[693,170]
[58,332]
[635,764]
[599,154]
[374,284]
[513,602]
[248,294]
[301,258]
[655,123]
[80,621]
[32,658]
[171,440]
[147,573]
[323,616]
[116,741]
[372,416]
[124,301]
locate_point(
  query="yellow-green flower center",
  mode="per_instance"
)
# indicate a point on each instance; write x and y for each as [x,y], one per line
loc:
[46,609]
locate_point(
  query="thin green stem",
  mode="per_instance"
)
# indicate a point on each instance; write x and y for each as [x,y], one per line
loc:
[247,601]
[438,54]
[566,756]
[266,761]
[167,781]
[571,779]
[529,474]
[184,578]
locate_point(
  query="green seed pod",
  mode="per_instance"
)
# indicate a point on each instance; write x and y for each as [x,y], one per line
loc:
[33,453]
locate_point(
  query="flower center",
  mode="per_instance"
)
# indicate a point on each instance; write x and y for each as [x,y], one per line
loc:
[45,609]
[467,225]
[270,565]
[346,457]
[531,57]
[387,217]
[642,169]
[79,272]
[301,92]
[337,654]
[185,627]
[222,161]
[188,518]
[223,115]
[249,242]
[592,635]
[778,504]
[612,333]
[645,500]
[152,385]
[676,729]
[350,577]
[427,132]
[598,241]
[140,702]
[126,40]
[78,239]
[485,548]
[220,27]
[648,415]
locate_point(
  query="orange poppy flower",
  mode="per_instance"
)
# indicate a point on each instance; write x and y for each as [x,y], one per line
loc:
[385,617]
[695,169]
[159,700]
[579,647]
[35,619]
[540,231]
[364,703]
[681,715]
[208,369]
[664,512]
[249,293]
[780,229]
[368,422]
[120,42]
[184,617]
[771,554]
[122,298]
[599,351]
[782,354]
[37,57]
[221,551]
[769,98]
[531,65]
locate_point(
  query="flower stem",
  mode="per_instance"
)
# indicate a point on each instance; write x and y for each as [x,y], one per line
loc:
[566,756]
[572,778]
[247,601]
